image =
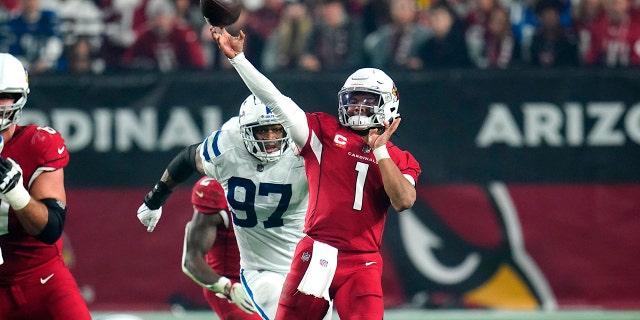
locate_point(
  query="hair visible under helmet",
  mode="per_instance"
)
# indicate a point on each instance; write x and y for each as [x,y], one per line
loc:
[14,80]
[255,114]
[368,80]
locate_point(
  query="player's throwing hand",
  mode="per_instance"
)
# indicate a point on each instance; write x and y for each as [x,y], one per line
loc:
[231,46]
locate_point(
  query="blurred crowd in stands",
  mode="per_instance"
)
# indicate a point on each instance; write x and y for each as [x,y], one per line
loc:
[106,36]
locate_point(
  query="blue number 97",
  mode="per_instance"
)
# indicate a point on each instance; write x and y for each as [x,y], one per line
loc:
[248,205]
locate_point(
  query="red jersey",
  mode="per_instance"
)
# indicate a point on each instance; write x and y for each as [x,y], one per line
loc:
[35,149]
[347,201]
[208,198]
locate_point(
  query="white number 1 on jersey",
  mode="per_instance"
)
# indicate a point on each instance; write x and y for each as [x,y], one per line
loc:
[362,169]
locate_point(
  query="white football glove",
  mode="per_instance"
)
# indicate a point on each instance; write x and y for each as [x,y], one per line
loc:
[233,292]
[11,184]
[239,297]
[148,217]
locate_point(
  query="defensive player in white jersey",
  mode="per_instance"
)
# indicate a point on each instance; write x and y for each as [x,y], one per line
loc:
[355,174]
[266,188]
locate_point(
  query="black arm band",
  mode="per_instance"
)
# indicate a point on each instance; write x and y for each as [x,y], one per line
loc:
[183,164]
[55,224]
[180,169]
[157,196]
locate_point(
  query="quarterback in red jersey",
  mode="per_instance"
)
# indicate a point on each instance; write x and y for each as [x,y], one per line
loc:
[210,252]
[355,173]
[34,281]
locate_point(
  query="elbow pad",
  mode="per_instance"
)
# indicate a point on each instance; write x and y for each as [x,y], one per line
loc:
[184,164]
[55,224]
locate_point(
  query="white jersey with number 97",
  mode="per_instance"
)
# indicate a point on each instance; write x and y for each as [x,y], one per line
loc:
[268,200]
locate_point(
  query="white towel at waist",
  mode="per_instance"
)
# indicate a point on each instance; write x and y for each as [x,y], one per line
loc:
[322,268]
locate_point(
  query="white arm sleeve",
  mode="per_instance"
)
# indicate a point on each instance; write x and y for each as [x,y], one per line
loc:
[286,110]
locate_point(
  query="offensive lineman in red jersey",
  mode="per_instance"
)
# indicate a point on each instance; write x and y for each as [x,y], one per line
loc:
[34,281]
[210,249]
[354,174]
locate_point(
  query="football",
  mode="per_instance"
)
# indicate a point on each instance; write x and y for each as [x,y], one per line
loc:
[220,13]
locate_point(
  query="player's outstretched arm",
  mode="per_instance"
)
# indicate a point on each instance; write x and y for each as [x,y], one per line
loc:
[183,165]
[291,116]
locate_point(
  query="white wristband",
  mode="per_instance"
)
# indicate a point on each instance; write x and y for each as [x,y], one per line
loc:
[18,197]
[223,285]
[381,152]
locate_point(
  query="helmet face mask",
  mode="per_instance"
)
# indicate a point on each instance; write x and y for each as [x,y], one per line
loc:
[9,114]
[359,109]
[256,119]
[14,86]
[372,91]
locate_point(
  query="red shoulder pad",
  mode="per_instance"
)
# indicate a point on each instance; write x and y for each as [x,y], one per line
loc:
[52,150]
[208,196]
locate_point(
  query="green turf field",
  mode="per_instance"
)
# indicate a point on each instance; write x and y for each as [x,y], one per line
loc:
[408,314]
